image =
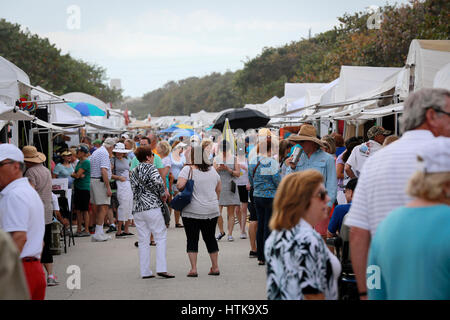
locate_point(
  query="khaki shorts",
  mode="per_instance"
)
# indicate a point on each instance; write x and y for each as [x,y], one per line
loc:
[98,193]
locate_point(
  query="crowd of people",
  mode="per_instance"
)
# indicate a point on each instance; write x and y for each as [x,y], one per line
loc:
[287,194]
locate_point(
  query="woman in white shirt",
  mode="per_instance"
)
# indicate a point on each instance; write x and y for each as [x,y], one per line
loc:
[201,214]
[299,264]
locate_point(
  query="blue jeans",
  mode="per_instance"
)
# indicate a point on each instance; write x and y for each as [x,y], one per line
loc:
[264,213]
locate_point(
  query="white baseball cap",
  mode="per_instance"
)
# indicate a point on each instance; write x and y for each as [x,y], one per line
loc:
[10,151]
[125,136]
[435,156]
[109,142]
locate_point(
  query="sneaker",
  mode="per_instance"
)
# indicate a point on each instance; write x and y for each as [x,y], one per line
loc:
[123,235]
[51,281]
[100,238]
[253,254]
[111,229]
[243,236]
[85,234]
[230,238]
[220,236]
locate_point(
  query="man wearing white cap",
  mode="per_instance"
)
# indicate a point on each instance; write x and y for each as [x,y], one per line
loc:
[22,215]
[100,189]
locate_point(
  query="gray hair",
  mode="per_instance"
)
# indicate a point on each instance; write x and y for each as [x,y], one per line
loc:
[417,104]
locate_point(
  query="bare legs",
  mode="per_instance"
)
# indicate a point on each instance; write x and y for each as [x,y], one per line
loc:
[252,228]
[193,260]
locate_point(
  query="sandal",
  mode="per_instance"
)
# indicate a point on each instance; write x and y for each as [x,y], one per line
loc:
[192,275]
[179,225]
[212,273]
[153,243]
[165,275]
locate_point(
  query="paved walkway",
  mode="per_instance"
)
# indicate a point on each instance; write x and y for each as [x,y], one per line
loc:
[110,270]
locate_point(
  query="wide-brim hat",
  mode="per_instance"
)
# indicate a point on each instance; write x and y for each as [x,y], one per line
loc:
[66,153]
[120,148]
[30,154]
[307,133]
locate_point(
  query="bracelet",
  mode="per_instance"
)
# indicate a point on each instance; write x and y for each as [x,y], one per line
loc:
[362,294]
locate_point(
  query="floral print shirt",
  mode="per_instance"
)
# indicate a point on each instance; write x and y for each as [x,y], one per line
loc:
[299,263]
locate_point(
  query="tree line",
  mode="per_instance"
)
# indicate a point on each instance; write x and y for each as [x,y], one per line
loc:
[316,59]
[47,67]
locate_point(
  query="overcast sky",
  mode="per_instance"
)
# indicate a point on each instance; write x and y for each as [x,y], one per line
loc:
[148,43]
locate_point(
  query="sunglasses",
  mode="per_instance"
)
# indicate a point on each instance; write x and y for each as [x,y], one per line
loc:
[322,195]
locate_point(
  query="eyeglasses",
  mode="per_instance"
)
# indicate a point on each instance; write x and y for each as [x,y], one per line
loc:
[441,111]
[5,163]
[322,195]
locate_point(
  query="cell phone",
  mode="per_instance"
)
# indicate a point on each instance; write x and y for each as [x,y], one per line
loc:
[296,154]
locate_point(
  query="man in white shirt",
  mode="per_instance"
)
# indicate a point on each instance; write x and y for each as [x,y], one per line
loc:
[22,215]
[100,189]
[360,153]
[382,184]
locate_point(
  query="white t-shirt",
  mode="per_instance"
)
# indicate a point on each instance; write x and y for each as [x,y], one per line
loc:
[242,180]
[204,203]
[55,202]
[21,209]
[360,154]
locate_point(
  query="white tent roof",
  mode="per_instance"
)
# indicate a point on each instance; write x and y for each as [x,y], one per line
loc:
[83,97]
[10,88]
[60,113]
[442,78]
[427,57]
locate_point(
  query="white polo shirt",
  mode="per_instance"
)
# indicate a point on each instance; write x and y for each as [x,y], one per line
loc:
[360,154]
[382,185]
[100,159]
[21,209]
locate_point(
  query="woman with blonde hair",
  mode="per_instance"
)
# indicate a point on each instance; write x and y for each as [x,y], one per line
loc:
[264,177]
[299,264]
[412,244]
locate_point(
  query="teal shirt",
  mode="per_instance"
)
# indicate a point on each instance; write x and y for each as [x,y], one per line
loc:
[157,162]
[83,183]
[412,249]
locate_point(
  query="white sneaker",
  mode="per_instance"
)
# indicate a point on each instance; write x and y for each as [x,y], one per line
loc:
[243,236]
[230,238]
[100,238]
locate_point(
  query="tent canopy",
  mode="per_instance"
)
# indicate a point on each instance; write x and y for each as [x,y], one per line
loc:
[442,78]
[83,97]
[10,87]
[425,59]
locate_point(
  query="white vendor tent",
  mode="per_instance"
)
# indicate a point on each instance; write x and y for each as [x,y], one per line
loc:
[83,97]
[442,78]
[425,59]
[11,79]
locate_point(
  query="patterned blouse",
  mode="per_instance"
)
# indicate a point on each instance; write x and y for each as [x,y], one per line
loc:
[299,263]
[264,177]
[148,187]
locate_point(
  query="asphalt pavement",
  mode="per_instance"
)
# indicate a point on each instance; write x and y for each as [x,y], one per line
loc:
[110,270]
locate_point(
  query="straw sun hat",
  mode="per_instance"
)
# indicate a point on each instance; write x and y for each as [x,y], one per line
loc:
[30,154]
[307,133]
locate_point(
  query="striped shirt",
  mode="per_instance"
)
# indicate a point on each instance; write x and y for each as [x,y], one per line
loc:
[384,177]
[100,159]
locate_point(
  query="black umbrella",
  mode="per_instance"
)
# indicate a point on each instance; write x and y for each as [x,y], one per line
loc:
[242,118]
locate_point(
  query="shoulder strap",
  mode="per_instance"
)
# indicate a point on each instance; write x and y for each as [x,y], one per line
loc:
[254,171]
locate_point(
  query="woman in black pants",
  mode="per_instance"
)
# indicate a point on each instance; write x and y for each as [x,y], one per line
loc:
[201,214]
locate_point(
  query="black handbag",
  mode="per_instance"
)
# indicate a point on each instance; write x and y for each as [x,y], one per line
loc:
[113,183]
